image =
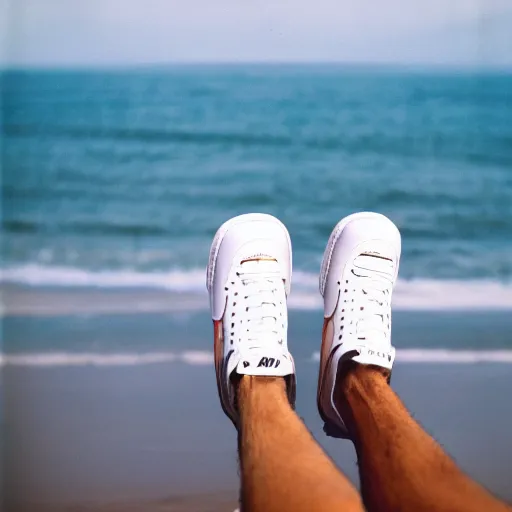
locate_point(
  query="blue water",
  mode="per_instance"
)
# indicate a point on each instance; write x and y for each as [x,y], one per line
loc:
[122,178]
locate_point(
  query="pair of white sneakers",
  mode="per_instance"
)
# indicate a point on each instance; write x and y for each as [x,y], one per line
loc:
[249,278]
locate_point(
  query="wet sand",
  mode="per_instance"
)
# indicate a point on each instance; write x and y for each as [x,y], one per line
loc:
[153,437]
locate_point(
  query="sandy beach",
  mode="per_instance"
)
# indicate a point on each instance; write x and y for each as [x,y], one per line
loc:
[135,434]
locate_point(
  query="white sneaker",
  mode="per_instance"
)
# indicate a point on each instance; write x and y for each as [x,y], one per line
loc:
[248,279]
[358,273]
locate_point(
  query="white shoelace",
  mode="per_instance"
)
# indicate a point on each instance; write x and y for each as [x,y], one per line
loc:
[263,296]
[372,305]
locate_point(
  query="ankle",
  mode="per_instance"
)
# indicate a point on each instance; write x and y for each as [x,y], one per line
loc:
[358,386]
[247,385]
[351,374]
[250,389]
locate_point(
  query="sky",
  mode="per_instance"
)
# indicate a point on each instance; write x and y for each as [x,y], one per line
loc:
[60,33]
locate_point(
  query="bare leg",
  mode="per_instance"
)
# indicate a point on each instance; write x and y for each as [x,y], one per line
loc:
[402,468]
[283,468]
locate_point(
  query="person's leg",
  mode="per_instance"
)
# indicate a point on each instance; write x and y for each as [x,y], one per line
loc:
[248,280]
[401,466]
[282,466]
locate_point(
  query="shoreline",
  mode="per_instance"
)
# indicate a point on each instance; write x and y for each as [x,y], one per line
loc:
[411,296]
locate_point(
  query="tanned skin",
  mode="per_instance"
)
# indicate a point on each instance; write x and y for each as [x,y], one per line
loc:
[401,467]
[282,466]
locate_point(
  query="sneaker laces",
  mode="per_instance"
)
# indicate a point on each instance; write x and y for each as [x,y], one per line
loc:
[373,301]
[264,296]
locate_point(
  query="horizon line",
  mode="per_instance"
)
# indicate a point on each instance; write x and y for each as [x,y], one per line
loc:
[118,66]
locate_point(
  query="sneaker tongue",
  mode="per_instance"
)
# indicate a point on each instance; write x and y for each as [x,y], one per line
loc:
[375,263]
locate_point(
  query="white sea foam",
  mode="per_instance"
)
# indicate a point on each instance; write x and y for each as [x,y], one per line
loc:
[203,357]
[434,355]
[38,275]
[453,356]
[54,359]
[417,294]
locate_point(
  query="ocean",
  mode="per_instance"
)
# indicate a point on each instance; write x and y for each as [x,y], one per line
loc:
[116,181]
[113,185]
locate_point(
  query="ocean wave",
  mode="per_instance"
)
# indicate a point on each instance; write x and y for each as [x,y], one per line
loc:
[95,359]
[39,275]
[148,135]
[404,145]
[203,357]
[84,228]
[416,294]
[433,355]
[443,227]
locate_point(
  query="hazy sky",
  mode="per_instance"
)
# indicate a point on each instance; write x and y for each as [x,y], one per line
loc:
[104,32]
